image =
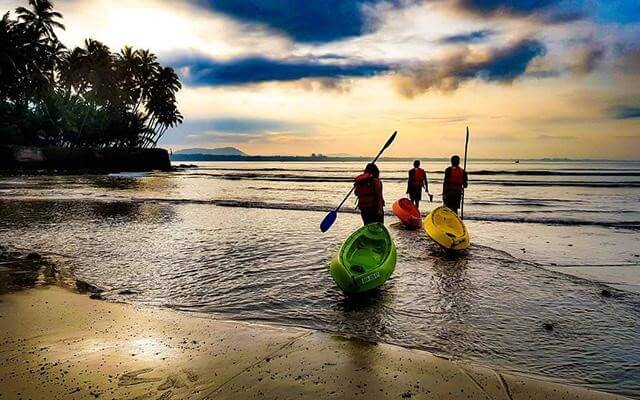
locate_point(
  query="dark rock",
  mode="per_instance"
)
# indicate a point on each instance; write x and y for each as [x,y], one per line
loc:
[85,287]
[96,296]
[605,293]
[34,256]
[127,292]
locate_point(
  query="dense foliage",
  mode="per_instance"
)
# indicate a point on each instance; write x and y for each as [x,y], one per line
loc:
[82,97]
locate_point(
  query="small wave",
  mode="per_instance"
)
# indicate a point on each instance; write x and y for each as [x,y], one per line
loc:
[557,173]
[633,225]
[515,218]
[335,179]
[286,189]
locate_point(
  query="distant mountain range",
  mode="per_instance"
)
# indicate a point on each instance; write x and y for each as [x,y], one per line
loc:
[220,151]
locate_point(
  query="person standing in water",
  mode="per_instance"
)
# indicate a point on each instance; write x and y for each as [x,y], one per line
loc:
[368,188]
[455,181]
[417,181]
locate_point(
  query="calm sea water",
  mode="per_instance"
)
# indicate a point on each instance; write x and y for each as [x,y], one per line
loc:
[241,240]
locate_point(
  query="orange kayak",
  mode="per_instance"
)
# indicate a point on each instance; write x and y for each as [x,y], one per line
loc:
[407,213]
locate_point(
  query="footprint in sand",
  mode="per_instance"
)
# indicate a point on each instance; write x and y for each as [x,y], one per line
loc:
[133,378]
[191,375]
[172,381]
[166,395]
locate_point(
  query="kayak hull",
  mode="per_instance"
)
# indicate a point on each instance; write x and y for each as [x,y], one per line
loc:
[365,260]
[407,213]
[447,229]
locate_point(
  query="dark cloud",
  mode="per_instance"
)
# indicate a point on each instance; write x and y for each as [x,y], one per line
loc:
[469,37]
[582,59]
[495,65]
[202,71]
[310,21]
[511,6]
[551,11]
[628,61]
[587,59]
[625,112]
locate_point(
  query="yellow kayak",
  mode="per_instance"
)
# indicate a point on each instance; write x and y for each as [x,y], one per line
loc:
[447,229]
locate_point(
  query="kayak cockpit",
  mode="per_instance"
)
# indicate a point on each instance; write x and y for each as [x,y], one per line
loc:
[366,253]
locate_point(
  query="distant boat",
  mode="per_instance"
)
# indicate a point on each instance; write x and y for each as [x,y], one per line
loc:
[517,161]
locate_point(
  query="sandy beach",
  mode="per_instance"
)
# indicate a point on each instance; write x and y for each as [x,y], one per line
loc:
[60,344]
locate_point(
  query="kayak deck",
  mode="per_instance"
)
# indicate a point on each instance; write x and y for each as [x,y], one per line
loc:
[365,260]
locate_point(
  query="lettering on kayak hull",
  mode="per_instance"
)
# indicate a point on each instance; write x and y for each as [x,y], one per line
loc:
[370,278]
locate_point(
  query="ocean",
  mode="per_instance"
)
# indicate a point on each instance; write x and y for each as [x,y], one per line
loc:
[241,240]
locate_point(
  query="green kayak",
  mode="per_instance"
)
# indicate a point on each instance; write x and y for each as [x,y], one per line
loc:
[365,261]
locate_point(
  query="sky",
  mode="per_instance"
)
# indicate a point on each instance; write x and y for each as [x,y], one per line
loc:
[531,78]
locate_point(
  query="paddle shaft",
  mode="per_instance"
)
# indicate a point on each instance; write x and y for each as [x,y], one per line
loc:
[372,162]
[466,146]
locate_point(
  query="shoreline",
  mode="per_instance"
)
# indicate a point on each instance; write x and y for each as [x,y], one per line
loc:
[72,346]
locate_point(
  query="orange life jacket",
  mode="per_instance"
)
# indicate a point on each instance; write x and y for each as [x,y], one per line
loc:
[417,177]
[455,181]
[366,191]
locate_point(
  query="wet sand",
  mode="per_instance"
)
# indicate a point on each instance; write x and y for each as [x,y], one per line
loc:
[58,344]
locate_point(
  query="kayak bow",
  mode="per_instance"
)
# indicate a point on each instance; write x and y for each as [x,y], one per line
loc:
[407,213]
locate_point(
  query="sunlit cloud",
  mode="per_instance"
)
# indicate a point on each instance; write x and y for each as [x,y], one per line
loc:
[320,76]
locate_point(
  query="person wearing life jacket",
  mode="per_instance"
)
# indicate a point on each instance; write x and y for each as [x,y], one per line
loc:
[417,181]
[455,181]
[368,188]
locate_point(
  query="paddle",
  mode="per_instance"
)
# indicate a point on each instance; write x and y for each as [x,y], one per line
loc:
[466,145]
[326,223]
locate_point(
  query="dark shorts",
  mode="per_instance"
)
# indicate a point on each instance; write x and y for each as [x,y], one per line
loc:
[415,195]
[452,200]
[414,191]
[371,216]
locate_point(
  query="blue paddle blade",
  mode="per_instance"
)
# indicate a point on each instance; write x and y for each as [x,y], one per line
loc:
[328,221]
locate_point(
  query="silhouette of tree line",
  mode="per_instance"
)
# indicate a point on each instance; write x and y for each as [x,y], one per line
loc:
[83,97]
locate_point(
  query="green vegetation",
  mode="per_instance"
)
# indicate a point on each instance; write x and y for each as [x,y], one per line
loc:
[82,97]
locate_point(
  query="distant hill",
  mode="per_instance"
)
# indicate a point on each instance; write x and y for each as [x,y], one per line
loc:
[220,151]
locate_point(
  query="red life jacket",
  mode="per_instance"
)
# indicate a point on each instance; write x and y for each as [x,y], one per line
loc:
[417,177]
[366,191]
[455,182]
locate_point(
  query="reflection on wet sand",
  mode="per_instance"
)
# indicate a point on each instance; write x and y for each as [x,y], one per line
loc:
[19,271]
[369,310]
[269,265]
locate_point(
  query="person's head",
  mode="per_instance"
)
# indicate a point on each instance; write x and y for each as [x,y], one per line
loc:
[455,161]
[416,163]
[373,170]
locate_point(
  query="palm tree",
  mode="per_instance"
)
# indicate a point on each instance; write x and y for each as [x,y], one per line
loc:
[41,18]
[162,105]
[10,60]
[86,96]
